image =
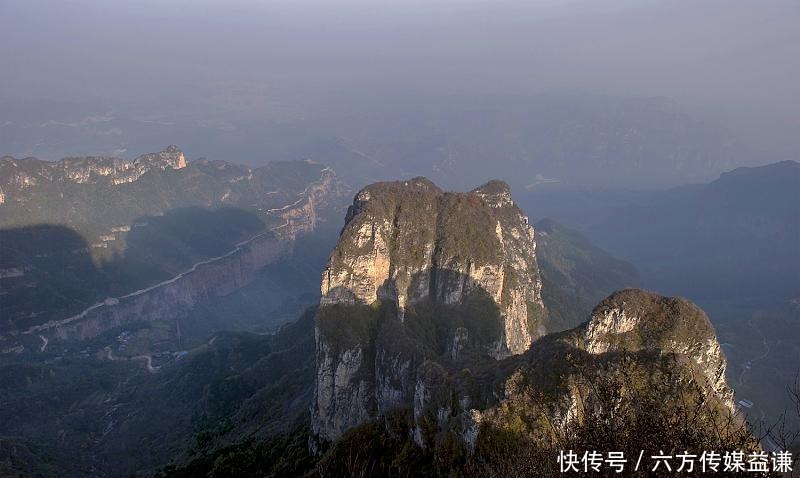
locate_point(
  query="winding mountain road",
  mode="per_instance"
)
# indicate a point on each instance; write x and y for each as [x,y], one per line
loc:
[768,444]
[744,365]
[147,358]
[111,301]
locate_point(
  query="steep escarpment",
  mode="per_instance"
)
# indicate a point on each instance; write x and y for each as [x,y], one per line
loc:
[409,242]
[645,372]
[420,275]
[165,263]
[633,321]
[637,342]
[17,175]
[426,290]
[170,300]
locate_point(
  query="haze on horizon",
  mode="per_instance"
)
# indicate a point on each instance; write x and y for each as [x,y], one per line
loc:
[734,61]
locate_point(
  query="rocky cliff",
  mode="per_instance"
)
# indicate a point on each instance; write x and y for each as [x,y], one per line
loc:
[409,251]
[647,357]
[426,290]
[634,321]
[645,372]
[17,175]
[409,241]
[208,277]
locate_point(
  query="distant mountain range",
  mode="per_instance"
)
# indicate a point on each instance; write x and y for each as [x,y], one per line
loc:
[736,236]
[559,138]
[732,245]
[448,325]
[93,195]
[568,139]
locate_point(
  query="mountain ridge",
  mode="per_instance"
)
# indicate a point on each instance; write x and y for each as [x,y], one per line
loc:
[428,367]
[147,258]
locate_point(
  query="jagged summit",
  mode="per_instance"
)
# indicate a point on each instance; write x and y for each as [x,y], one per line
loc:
[408,241]
[17,175]
[660,320]
[496,193]
[494,186]
[634,320]
[420,274]
[426,289]
[171,157]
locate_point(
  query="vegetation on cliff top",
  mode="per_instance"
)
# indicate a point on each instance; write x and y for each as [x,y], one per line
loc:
[663,320]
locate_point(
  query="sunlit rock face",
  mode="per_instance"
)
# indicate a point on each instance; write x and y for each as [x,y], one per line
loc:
[118,171]
[633,320]
[658,349]
[408,241]
[427,289]
[19,174]
[409,255]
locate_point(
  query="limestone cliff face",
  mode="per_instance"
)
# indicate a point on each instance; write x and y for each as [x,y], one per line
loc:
[633,320]
[304,214]
[17,175]
[172,299]
[413,258]
[117,171]
[667,344]
[405,242]
[641,345]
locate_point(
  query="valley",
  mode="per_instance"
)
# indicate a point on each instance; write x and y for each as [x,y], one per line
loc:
[439,238]
[214,346]
[204,263]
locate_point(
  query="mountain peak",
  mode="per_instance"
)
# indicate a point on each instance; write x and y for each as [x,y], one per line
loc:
[410,258]
[658,321]
[635,320]
[170,157]
[496,193]
[419,184]
[404,240]
[784,174]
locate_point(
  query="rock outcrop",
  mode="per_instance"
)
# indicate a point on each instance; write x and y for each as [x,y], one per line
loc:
[409,250]
[633,320]
[637,343]
[426,290]
[19,174]
[640,345]
[406,242]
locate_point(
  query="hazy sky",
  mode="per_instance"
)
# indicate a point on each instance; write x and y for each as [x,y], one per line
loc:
[728,55]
